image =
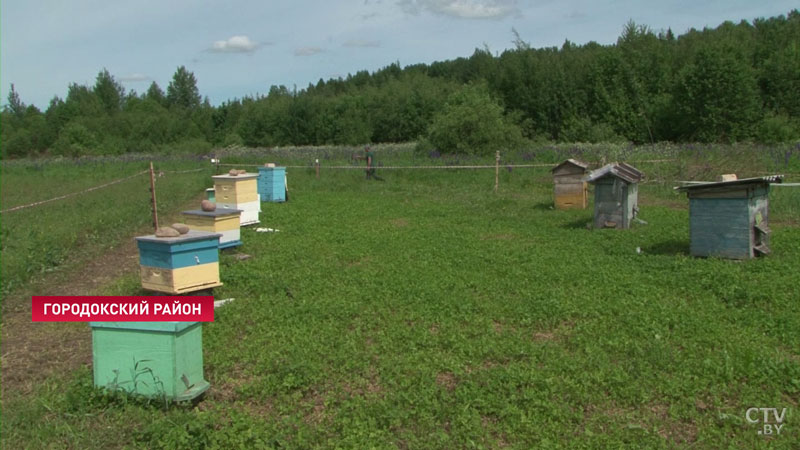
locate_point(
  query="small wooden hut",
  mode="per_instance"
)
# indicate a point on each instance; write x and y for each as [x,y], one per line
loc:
[730,219]
[569,188]
[616,195]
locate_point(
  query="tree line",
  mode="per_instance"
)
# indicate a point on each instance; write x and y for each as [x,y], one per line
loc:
[735,82]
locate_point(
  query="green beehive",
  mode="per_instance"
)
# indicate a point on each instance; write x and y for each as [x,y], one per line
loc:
[153,359]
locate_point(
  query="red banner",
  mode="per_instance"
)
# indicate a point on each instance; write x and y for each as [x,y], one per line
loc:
[122,309]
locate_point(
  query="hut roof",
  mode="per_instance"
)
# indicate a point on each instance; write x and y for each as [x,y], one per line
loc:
[574,162]
[623,171]
[697,186]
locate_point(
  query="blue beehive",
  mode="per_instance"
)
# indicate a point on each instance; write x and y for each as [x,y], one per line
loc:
[175,265]
[730,219]
[272,184]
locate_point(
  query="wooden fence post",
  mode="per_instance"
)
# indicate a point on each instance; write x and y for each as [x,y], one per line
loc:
[316,164]
[153,194]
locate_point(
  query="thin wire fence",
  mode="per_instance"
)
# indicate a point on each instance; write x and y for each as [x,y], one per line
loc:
[359,167]
[95,188]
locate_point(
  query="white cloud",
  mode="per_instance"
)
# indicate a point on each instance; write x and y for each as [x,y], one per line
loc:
[463,9]
[234,44]
[307,51]
[361,43]
[134,78]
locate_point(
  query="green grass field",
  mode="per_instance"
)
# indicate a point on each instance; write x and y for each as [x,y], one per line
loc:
[427,311]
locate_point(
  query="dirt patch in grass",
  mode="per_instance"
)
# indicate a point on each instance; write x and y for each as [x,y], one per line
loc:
[497,327]
[369,387]
[675,431]
[359,262]
[317,411]
[399,223]
[560,332]
[543,336]
[447,380]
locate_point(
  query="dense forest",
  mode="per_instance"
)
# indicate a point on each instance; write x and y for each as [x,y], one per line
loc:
[736,82]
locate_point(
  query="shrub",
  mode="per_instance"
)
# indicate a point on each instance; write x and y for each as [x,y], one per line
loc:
[473,123]
[778,128]
[75,140]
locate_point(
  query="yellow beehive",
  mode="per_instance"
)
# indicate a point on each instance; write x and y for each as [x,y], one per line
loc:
[236,189]
[221,221]
[239,192]
[569,188]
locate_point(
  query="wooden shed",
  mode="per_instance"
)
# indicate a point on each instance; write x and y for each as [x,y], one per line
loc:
[176,265]
[272,184]
[569,188]
[730,219]
[616,195]
[239,192]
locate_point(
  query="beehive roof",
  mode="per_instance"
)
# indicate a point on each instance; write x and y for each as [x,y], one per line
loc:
[574,162]
[192,235]
[622,171]
[733,183]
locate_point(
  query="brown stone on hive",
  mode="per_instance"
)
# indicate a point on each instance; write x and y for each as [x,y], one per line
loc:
[181,227]
[233,172]
[167,232]
[241,172]
[207,205]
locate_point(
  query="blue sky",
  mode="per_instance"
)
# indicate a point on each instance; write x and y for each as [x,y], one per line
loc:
[240,48]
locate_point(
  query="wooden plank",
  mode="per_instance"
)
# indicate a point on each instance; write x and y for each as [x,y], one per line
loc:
[720,227]
[569,189]
[572,201]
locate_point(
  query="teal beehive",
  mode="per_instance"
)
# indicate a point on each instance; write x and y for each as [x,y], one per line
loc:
[730,219]
[272,184]
[154,359]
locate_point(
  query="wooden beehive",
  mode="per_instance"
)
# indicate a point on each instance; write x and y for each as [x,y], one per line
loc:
[730,219]
[239,192]
[272,184]
[176,265]
[210,195]
[153,359]
[616,195]
[569,188]
[223,221]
